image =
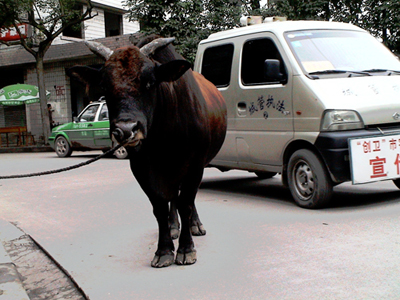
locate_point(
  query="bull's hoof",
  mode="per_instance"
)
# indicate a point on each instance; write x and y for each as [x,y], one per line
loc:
[174,233]
[186,258]
[162,261]
[198,230]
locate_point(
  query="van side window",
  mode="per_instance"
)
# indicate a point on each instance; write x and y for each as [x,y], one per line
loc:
[255,52]
[217,64]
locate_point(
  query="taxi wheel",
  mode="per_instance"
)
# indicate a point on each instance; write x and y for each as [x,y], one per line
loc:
[308,180]
[63,149]
[121,153]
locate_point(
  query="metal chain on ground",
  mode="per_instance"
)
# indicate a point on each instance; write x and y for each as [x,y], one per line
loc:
[85,163]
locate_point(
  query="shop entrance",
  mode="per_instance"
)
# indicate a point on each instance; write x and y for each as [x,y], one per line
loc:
[12,115]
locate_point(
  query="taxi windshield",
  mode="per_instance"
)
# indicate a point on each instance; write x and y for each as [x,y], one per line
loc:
[341,53]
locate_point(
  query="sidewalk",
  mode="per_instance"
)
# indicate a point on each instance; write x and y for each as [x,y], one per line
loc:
[28,272]
[11,287]
[26,149]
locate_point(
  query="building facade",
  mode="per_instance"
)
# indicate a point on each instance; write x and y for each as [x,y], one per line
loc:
[68,98]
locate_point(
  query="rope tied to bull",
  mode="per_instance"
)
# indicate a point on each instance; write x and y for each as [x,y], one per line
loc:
[85,163]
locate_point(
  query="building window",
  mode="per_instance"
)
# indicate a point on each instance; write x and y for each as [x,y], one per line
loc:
[113,24]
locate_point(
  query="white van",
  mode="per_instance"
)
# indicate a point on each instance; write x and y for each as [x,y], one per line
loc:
[318,102]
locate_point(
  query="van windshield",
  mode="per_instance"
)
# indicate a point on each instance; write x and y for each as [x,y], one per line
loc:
[341,53]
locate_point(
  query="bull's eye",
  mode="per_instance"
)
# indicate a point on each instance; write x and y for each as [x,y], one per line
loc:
[147,77]
[150,84]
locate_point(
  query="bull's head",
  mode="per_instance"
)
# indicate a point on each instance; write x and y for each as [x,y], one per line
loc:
[130,79]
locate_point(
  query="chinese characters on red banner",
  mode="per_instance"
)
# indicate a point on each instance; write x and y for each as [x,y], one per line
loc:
[378,167]
[11,34]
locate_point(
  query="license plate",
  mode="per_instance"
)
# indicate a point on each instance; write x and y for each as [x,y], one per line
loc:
[374,158]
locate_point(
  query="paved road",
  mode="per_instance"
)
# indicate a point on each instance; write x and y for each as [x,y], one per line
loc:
[98,224]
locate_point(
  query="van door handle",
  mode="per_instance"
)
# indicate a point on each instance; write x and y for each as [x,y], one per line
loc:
[242,109]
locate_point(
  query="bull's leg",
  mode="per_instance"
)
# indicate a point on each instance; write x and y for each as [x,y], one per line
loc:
[173,220]
[186,254]
[196,227]
[164,255]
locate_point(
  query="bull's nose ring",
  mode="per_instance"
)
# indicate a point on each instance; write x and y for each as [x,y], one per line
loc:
[118,134]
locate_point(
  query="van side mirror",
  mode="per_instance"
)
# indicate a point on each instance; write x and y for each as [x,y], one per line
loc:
[272,70]
[76,120]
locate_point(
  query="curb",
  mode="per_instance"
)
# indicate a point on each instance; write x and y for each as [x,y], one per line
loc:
[29,272]
[11,287]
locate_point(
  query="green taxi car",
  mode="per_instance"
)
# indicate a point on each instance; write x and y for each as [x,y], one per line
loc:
[89,131]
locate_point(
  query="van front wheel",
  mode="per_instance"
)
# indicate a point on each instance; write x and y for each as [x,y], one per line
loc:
[308,180]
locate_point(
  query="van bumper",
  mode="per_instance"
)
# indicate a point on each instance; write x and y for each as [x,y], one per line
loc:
[334,149]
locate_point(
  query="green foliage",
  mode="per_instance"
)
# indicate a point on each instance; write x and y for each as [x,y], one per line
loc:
[380,18]
[48,18]
[383,21]
[300,10]
[192,20]
[10,11]
[188,21]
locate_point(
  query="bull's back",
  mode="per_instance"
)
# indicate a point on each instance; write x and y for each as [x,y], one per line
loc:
[215,112]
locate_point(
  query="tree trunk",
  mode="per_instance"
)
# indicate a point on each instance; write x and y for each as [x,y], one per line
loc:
[43,99]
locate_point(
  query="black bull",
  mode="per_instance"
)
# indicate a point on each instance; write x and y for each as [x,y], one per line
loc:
[177,122]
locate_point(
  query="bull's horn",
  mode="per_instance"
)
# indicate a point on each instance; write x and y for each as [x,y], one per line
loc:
[151,47]
[99,49]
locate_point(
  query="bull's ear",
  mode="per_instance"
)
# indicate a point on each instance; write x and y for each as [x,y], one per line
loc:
[84,74]
[172,70]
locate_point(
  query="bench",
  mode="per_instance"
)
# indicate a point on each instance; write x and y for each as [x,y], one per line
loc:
[24,138]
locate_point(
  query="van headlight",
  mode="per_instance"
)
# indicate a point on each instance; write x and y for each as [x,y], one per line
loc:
[337,120]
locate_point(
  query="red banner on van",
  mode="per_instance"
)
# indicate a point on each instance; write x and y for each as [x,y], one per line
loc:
[11,34]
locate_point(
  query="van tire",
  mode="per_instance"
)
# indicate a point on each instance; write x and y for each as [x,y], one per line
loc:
[308,180]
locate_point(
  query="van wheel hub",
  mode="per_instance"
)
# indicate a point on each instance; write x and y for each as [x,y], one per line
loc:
[304,179]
